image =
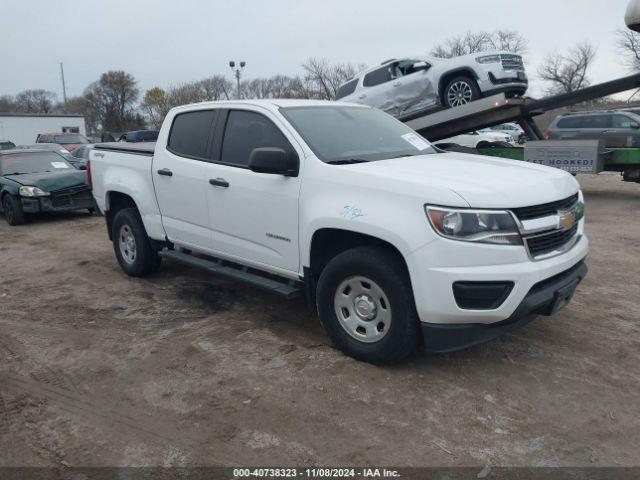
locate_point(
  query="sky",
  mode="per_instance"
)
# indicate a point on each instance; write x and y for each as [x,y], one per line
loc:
[162,43]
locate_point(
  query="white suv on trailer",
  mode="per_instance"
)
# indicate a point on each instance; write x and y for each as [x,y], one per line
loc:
[407,85]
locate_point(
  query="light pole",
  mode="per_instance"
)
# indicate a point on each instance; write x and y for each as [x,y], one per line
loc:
[236,72]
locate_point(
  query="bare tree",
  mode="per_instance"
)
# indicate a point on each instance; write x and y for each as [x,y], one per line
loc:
[112,100]
[628,45]
[474,42]
[324,78]
[215,88]
[35,101]
[568,72]
[7,104]
[278,86]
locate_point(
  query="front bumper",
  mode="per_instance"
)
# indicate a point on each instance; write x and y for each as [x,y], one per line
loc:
[544,298]
[45,204]
[498,79]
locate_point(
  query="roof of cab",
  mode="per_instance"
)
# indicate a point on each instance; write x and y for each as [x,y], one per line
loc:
[271,103]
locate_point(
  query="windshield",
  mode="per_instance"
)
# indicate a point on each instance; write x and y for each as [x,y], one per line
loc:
[33,162]
[71,138]
[343,134]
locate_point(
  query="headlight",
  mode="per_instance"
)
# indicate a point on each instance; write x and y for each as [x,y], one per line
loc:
[482,226]
[488,59]
[33,192]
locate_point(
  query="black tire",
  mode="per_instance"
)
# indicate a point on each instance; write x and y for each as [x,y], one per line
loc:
[92,211]
[145,258]
[387,270]
[12,208]
[483,144]
[467,84]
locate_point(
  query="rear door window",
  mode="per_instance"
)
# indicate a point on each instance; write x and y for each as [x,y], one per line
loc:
[248,130]
[347,89]
[190,132]
[377,77]
[585,121]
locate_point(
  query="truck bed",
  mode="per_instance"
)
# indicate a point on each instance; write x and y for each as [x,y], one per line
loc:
[142,148]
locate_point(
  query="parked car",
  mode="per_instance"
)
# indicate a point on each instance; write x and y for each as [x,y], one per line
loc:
[403,86]
[599,125]
[392,242]
[80,156]
[40,181]
[512,129]
[139,136]
[70,141]
[480,139]
[54,147]
[6,145]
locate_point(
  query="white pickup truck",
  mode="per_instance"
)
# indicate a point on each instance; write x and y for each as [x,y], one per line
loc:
[394,243]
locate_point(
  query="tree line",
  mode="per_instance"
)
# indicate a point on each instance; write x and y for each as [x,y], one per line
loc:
[115,103]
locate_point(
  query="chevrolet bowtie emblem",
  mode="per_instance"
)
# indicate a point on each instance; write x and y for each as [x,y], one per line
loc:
[566,220]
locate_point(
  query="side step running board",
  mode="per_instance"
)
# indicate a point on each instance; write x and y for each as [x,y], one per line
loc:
[285,289]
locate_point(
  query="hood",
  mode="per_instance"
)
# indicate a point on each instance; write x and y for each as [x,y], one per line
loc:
[51,181]
[483,182]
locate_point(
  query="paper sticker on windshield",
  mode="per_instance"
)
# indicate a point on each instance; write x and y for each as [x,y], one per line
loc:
[416,141]
[59,165]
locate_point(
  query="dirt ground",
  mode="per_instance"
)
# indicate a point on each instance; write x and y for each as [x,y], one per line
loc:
[98,369]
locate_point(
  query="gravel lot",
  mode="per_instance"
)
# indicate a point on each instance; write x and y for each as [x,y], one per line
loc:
[185,369]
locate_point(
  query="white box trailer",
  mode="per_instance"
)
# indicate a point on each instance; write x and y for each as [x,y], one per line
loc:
[24,128]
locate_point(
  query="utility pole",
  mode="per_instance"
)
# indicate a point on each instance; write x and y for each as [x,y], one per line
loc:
[64,86]
[236,72]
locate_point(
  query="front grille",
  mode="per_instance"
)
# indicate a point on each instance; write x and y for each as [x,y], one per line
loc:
[69,197]
[551,208]
[512,62]
[548,242]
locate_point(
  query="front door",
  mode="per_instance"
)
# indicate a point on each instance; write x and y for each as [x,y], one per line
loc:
[253,216]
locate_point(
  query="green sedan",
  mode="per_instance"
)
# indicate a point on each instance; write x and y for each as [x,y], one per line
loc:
[34,181]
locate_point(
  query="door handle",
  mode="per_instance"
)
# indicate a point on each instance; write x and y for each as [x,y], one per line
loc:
[397,84]
[219,182]
[609,131]
[166,172]
[362,96]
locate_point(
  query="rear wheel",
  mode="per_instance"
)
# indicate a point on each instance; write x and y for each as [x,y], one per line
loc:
[12,208]
[366,305]
[460,91]
[132,246]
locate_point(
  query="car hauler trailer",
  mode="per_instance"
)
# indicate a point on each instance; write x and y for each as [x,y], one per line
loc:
[611,155]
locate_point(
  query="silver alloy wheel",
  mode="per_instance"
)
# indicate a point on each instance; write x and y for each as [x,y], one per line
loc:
[362,309]
[459,93]
[127,244]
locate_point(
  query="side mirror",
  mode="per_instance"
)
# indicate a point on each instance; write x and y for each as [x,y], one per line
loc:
[82,167]
[635,125]
[273,160]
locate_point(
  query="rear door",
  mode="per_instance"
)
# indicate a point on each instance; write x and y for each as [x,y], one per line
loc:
[376,89]
[179,175]
[252,216]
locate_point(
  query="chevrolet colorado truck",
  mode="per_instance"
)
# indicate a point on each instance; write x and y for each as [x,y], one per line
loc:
[394,243]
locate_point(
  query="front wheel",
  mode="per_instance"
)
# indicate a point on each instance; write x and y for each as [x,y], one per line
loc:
[366,305]
[12,208]
[132,246]
[460,91]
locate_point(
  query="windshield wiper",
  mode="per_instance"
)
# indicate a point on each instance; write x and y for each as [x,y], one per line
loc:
[347,161]
[17,173]
[403,155]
